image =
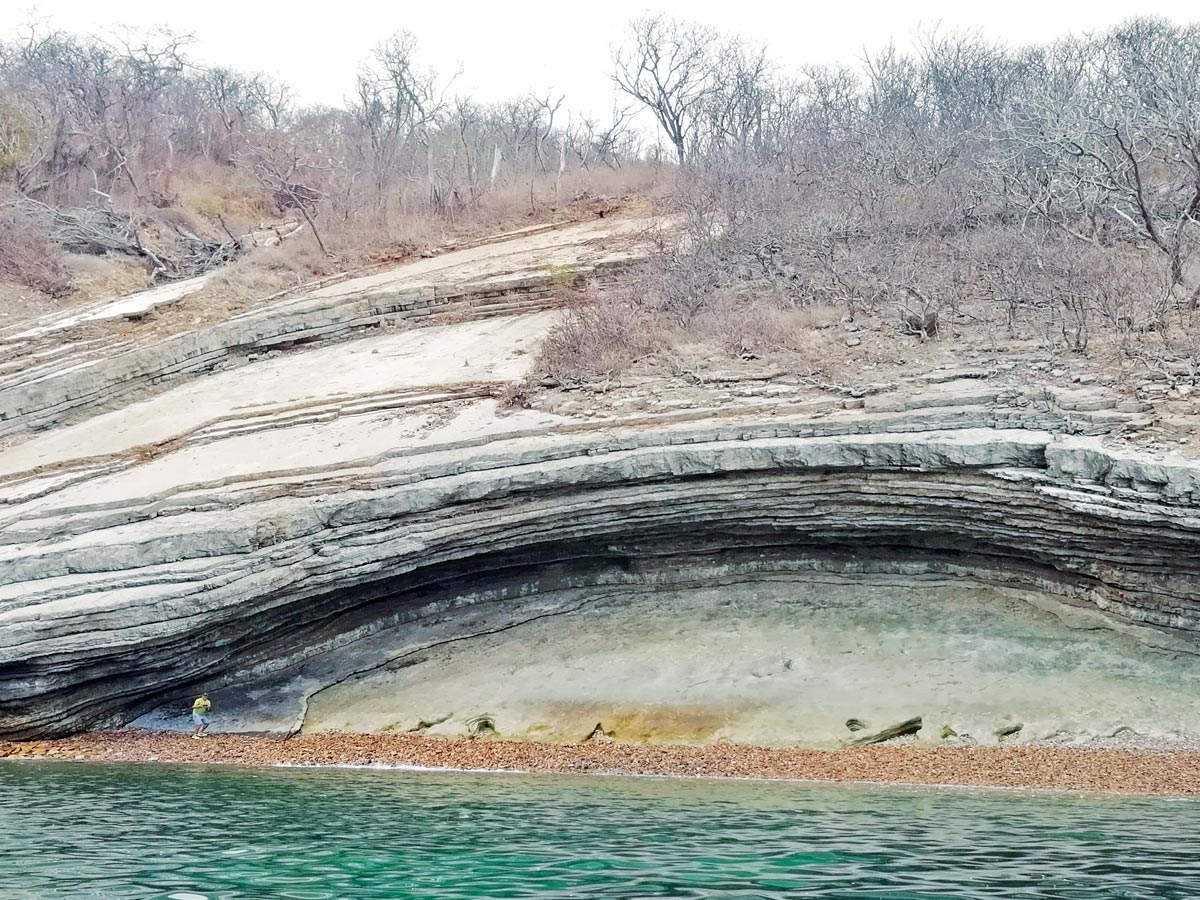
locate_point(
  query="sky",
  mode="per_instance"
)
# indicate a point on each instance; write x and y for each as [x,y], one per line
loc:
[509,49]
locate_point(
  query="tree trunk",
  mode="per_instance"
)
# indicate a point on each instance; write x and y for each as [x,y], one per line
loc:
[496,157]
[562,164]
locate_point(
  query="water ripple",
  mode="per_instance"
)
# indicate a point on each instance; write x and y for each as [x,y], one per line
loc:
[218,833]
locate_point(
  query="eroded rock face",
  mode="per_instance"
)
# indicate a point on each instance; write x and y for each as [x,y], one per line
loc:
[767,657]
[328,538]
[109,610]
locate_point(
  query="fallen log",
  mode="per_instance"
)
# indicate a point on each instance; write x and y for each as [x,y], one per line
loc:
[910,726]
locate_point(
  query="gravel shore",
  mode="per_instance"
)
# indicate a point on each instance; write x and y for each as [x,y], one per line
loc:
[1162,772]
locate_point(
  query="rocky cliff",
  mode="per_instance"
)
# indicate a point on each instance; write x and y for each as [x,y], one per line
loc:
[355,536]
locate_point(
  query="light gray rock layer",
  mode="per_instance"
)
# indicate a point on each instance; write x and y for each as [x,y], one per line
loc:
[107,609]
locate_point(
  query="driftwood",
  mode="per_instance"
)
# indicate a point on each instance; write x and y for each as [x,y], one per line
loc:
[199,255]
[910,726]
[96,231]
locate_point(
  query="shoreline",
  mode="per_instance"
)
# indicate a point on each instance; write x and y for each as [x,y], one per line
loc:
[1150,772]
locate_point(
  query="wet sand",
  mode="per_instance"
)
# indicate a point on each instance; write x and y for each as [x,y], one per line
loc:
[1125,771]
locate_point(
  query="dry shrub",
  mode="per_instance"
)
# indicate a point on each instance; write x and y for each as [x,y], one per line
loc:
[297,258]
[262,273]
[516,201]
[174,217]
[746,327]
[1059,290]
[27,255]
[219,192]
[658,325]
[102,277]
[365,239]
[363,231]
[601,340]
[402,223]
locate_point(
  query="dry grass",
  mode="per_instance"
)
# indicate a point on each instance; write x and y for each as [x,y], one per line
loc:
[36,278]
[213,192]
[393,235]
[638,328]
[405,226]
[41,278]
[263,273]
[27,255]
[102,277]
[20,302]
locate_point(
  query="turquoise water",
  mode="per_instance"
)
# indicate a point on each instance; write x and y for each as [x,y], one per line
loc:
[187,833]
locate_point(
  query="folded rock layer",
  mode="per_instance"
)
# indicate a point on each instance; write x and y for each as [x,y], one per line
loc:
[357,536]
[110,609]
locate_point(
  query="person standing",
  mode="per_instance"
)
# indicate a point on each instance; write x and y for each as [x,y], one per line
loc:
[200,715]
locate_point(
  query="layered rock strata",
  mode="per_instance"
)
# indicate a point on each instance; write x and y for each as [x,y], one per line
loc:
[358,536]
[110,607]
[46,377]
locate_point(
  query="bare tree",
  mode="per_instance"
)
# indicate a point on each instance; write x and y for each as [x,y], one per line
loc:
[284,166]
[669,66]
[397,103]
[1108,145]
[123,136]
[608,143]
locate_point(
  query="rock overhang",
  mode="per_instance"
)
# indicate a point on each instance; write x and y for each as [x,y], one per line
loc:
[182,587]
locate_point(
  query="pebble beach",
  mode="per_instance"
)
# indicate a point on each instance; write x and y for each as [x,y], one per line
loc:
[1122,771]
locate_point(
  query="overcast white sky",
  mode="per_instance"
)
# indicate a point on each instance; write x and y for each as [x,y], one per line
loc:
[509,48]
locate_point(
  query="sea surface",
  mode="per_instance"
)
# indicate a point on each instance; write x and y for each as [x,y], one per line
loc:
[70,830]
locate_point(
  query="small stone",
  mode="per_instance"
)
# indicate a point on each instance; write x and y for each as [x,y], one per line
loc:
[599,734]
[853,341]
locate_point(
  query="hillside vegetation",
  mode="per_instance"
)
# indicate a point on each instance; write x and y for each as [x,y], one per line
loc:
[124,162]
[964,192]
[827,217]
